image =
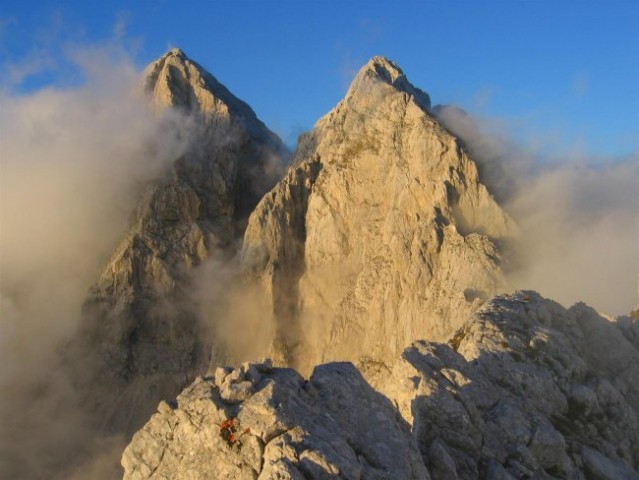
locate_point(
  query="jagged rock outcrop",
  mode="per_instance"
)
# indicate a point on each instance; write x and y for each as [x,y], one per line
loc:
[140,324]
[380,232]
[332,426]
[525,389]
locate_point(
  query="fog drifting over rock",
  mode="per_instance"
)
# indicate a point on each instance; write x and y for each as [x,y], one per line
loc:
[73,163]
[579,216]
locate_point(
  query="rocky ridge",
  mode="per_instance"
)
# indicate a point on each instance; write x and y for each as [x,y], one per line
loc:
[284,427]
[525,389]
[380,232]
[521,390]
[140,323]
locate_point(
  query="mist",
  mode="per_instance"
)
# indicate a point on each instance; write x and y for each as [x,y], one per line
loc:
[73,163]
[580,235]
[234,312]
[578,215]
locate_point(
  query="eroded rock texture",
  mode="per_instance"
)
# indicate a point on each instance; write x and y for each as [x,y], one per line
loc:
[525,389]
[332,426]
[140,322]
[380,233]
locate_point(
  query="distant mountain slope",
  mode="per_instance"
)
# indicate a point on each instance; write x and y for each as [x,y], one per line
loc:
[380,232]
[140,324]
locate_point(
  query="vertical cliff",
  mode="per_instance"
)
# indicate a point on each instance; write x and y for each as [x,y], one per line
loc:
[380,232]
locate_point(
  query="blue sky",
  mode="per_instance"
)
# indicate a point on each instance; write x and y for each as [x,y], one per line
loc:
[562,75]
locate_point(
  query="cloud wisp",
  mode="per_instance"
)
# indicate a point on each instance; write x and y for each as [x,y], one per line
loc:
[578,215]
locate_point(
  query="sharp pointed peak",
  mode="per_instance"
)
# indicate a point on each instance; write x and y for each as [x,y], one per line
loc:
[381,70]
[174,54]
[176,81]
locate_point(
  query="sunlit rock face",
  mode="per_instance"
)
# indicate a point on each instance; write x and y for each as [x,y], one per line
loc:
[379,248]
[140,322]
[379,234]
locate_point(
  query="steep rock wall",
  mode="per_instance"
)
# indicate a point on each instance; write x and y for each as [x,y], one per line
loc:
[380,232]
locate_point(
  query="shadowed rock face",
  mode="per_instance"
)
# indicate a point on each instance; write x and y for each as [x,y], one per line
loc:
[380,232]
[139,322]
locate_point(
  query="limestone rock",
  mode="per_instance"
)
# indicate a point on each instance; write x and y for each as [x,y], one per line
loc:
[380,232]
[332,426]
[140,325]
[525,389]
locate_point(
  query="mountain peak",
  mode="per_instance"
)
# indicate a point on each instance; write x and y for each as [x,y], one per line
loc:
[175,56]
[381,70]
[176,52]
[174,80]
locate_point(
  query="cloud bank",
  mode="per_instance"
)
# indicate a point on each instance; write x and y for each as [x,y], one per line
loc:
[73,163]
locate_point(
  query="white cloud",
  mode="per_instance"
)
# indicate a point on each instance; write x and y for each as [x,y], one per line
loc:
[578,214]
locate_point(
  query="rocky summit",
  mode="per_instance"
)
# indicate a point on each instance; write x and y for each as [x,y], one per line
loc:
[380,232]
[376,258]
[521,390]
[140,325]
[524,389]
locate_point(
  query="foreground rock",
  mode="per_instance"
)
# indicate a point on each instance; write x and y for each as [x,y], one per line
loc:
[525,389]
[331,426]
[380,233]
